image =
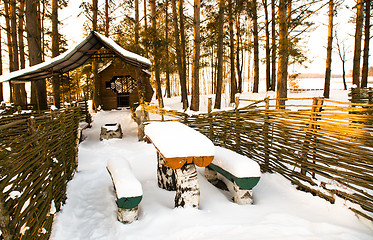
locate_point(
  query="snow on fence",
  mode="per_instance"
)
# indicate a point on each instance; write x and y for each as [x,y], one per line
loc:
[325,147]
[38,156]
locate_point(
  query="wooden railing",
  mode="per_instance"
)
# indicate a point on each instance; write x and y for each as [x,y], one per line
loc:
[38,156]
[324,147]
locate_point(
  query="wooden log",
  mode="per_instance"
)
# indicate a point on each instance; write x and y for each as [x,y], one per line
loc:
[166,175]
[187,187]
[241,196]
[211,176]
[128,215]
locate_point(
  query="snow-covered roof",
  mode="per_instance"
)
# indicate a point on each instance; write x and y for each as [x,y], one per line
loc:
[75,57]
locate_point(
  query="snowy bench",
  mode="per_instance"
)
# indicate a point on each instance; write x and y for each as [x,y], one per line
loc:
[127,188]
[239,173]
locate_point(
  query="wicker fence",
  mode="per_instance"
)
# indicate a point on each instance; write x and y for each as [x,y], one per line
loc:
[38,154]
[324,147]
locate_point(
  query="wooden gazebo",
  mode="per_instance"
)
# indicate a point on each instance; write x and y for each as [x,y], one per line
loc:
[122,83]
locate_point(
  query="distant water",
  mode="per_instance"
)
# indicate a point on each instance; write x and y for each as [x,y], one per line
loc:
[335,83]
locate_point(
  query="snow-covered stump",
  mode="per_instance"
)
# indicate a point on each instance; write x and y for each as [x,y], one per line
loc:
[128,190]
[111,130]
[187,187]
[239,173]
[166,175]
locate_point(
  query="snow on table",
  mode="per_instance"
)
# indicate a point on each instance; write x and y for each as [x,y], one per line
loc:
[179,144]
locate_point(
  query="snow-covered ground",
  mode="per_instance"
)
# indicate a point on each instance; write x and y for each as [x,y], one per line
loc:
[279,211]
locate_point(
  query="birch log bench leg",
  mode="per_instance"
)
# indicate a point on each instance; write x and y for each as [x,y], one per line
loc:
[127,188]
[239,173]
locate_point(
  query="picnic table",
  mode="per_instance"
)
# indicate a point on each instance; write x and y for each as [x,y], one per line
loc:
[179,149]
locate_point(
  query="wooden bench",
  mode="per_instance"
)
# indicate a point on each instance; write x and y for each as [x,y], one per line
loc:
[127,188]
[239,173]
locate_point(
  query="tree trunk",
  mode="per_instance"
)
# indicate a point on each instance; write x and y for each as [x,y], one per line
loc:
[136,24]
[9,43]
[364,77]
[107,19]
[256,47]
[267,47]
[329,50]
[94,12]
[21,29]
[1,72]
[238,42]
[182,76]
[13,31]
[231,54]
[55,53]
[358,37]
[38,88]
[282,74]
[18,93]
[146,27]
[219,78]
[184,90]
[168,84]
[21,46]
[155,53]
[96,94]
[273,79]
[196,55]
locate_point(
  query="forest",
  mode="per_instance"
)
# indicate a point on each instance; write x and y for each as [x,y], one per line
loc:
[199,47]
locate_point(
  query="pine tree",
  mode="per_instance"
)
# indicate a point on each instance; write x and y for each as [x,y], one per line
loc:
[283,54]
[38,88]
[55,52]
[196,57]
[358,37]
[329,50]
[219,79]
[364,76]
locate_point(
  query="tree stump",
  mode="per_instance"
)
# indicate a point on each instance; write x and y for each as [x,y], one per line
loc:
[166,175]
[111,130]
[242,196]
[128,215]
[187,187]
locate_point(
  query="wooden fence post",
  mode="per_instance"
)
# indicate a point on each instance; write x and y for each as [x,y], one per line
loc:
[266,135]
[209,109]
[310,131]
[237,128]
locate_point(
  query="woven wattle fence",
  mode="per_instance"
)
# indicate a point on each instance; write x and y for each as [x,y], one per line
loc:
[38,156]
[324,147]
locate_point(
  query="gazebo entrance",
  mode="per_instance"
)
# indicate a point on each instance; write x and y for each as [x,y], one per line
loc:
[123,86]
